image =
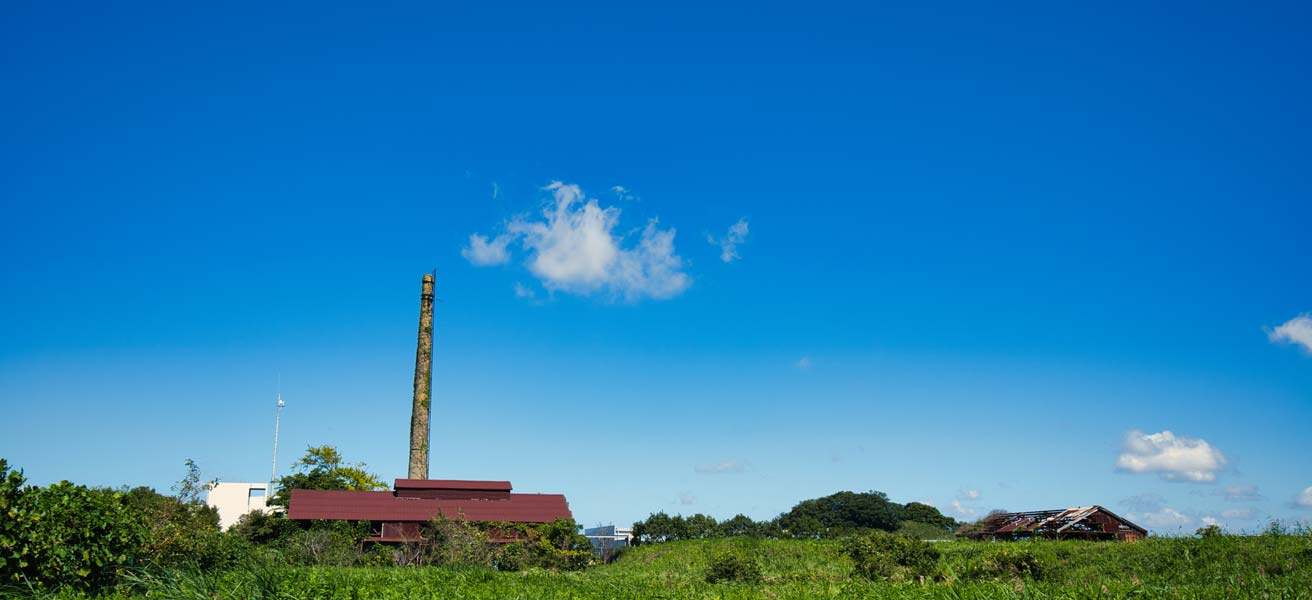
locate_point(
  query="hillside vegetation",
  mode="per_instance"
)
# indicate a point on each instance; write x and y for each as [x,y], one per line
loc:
[1267,566]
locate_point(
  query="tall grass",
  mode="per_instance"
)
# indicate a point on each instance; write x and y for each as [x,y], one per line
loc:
[1266,566]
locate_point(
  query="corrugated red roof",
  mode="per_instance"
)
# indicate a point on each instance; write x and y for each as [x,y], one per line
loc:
[385,506]
[451,484]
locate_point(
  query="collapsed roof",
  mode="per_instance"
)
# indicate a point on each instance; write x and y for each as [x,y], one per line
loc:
[1081,522]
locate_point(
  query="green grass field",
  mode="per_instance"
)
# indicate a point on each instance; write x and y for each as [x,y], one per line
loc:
[1268,566]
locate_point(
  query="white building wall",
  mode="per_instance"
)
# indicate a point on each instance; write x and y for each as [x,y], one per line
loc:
[236,499]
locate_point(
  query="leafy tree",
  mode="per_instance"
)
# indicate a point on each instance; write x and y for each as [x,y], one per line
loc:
[190,489]
[699,526]
[918,512]
[322,468]
[739,526]
[840,513]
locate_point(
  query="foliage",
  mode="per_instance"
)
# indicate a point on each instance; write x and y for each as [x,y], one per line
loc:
[733,566]
[322,468]
[1010,561]
[1231,567]
[263,528]
[190,489]
[64,535]
[918,512]
[326,543]
[841,513]
[1209,531]
[881,555]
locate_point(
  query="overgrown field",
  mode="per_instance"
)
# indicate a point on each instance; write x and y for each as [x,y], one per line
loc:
[1267,566]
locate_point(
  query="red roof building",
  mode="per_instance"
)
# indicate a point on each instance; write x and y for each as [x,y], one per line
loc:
[397,516]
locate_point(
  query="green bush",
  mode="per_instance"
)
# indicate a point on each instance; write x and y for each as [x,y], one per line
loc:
[733,566]
[880,555]
[1010,561]
[64,535]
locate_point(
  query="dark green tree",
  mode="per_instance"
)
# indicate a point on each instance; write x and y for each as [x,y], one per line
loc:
[918,512]
[840,513]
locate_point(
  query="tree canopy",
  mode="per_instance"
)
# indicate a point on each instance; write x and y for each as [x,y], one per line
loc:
[322,468]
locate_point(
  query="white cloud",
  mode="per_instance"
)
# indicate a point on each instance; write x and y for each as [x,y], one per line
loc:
[573,248]
[483,253]
[1304,498]
[803,363]
[724,466]
[737,234]
[1174,458]
[1297,330]
[962,511]
[685,498]
[961,505]
[1211,521]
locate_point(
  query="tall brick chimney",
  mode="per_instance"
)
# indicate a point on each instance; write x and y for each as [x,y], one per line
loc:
[423,385]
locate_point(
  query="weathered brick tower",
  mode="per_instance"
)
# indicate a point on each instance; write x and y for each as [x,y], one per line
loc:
[423,385]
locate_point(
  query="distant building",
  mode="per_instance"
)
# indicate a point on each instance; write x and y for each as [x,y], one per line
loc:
[606,540]
[399,516]
[1079,523]
[236,499]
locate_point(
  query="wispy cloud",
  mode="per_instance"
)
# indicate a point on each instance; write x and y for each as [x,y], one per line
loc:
[728,244]
[803,363]
[1304,498]
[1233,493]
[1297,331]
[573,248]
[1173,458]
[1151,511]
[483,252]
[963,505]
[525,292]
[623,193]
[724,466]
[686,498]
[1239,514]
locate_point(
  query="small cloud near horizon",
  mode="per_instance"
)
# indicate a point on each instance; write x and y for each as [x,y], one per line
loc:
[803,363]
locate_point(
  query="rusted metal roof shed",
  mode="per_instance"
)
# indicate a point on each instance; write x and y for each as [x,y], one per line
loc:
[398,515]
[1082,522]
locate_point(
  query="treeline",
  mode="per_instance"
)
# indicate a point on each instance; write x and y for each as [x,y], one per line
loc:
[68,536]
[836,515]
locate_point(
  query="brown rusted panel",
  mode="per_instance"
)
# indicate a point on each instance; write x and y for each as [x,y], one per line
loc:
[385,506]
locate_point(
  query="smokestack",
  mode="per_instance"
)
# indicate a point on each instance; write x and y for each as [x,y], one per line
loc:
[423,385]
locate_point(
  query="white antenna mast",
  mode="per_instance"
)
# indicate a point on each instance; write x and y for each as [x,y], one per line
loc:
[273,475]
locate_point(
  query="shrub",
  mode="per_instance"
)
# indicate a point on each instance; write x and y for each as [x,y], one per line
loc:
[1011,561]
[330,543]
[64,535]
[733,566]
[454,542]
[881,555]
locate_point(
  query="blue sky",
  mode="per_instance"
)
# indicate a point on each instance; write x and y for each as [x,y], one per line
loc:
[980,257]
